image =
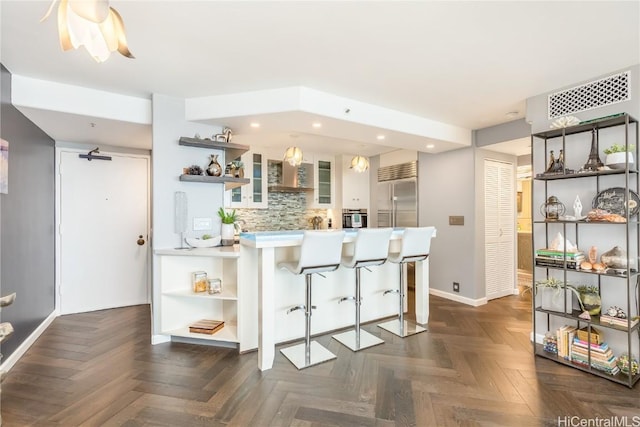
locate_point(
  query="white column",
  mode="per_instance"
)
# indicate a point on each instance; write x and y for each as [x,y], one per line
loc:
[422,291]
[266,319]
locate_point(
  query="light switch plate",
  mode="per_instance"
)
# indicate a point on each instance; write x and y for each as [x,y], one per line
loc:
[456,220]
[200,224]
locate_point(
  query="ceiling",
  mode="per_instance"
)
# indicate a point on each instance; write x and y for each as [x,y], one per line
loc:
[465,64]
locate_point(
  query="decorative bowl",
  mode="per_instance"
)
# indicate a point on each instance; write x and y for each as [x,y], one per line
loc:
[195,242]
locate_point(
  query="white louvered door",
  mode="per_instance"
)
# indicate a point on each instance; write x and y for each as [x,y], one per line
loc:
[499,214]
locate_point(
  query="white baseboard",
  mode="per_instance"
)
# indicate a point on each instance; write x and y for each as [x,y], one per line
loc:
[453,297]
[539,338]
[159,339]
[8,363]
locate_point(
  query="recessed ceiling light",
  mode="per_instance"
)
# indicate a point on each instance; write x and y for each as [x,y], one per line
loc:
[254,124]
[380,137]
[430,145]
[317,125]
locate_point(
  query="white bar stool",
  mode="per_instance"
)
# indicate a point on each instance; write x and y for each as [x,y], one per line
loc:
[371,248]
[320,252]
[416,243]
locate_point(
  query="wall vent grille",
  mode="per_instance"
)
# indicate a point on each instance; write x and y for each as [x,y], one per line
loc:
[401,171]
[598,93]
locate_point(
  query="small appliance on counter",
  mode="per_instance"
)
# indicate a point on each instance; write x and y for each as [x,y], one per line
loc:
[354,218]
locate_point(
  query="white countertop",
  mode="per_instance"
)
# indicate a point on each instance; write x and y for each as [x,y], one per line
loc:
[277,239]
[217,251]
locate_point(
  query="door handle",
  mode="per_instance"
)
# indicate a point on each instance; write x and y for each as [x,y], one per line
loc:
[140,241]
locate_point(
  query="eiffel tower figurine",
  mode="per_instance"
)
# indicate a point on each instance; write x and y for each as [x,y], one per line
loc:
[593,162]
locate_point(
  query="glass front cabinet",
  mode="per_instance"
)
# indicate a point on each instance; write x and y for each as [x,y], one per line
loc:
[253,195]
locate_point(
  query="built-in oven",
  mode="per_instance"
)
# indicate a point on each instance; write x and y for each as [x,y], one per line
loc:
[354,218]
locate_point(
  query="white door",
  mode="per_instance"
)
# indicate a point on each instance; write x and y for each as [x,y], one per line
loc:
[499,214]
[103,242]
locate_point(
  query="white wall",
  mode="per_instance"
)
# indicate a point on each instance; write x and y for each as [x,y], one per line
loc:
[168,160]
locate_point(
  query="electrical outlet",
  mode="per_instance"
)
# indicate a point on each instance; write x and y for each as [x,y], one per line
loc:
[201,224]
[456,287]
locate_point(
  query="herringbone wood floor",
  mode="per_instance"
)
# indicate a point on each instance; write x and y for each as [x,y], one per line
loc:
[473,367]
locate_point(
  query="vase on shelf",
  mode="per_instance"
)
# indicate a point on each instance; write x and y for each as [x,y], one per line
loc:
[227,234]
[214,168]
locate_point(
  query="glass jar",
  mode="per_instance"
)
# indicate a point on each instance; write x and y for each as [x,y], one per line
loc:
[215,286]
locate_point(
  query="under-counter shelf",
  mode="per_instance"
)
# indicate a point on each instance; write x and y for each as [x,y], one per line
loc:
[228,181]
[178,306]
[228,333]
[231,151]
[228,293]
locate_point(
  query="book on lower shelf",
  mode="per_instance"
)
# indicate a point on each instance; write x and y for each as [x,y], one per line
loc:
[551,253]
[571,263]
[206,326]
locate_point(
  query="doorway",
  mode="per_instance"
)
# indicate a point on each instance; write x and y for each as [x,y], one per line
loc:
[524,227]
[102,237]
[499,226]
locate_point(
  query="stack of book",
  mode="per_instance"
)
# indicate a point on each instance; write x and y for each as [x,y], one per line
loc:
[553,258]
[617,321]
[564,337]
[602,357]
[206,326]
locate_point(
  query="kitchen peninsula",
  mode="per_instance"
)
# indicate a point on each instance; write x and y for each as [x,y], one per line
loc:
[256,294]
[278,290]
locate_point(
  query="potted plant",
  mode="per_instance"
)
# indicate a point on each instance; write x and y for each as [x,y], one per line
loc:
[238,167]
[552,291]
[227,229]
[618,154]
[590,299]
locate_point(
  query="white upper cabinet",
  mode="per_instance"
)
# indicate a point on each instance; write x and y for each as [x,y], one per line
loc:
[324,182]
[355,186]
[253,195]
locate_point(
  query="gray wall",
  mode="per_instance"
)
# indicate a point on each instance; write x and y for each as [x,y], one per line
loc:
[503,132]
[26,222]
[446,188]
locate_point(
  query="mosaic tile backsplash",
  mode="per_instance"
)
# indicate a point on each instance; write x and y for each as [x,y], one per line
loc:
[286,211]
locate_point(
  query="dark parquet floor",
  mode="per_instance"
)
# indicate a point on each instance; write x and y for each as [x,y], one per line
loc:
[474,367]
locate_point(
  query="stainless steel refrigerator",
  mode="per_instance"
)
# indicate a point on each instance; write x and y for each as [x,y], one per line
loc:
[398,203]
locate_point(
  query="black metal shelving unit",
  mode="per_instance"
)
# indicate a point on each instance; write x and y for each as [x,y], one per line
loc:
[630,228]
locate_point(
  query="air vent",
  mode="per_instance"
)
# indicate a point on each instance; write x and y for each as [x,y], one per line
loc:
[401,171]
[598,93]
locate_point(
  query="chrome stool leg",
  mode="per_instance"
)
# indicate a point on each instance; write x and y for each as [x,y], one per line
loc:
[357,339]
[401,327]
[310,352]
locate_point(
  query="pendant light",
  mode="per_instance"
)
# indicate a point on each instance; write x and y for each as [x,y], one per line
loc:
[92,24]
[359,164]
[293,156]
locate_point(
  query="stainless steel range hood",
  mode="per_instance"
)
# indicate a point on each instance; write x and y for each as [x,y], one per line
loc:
[291,179]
